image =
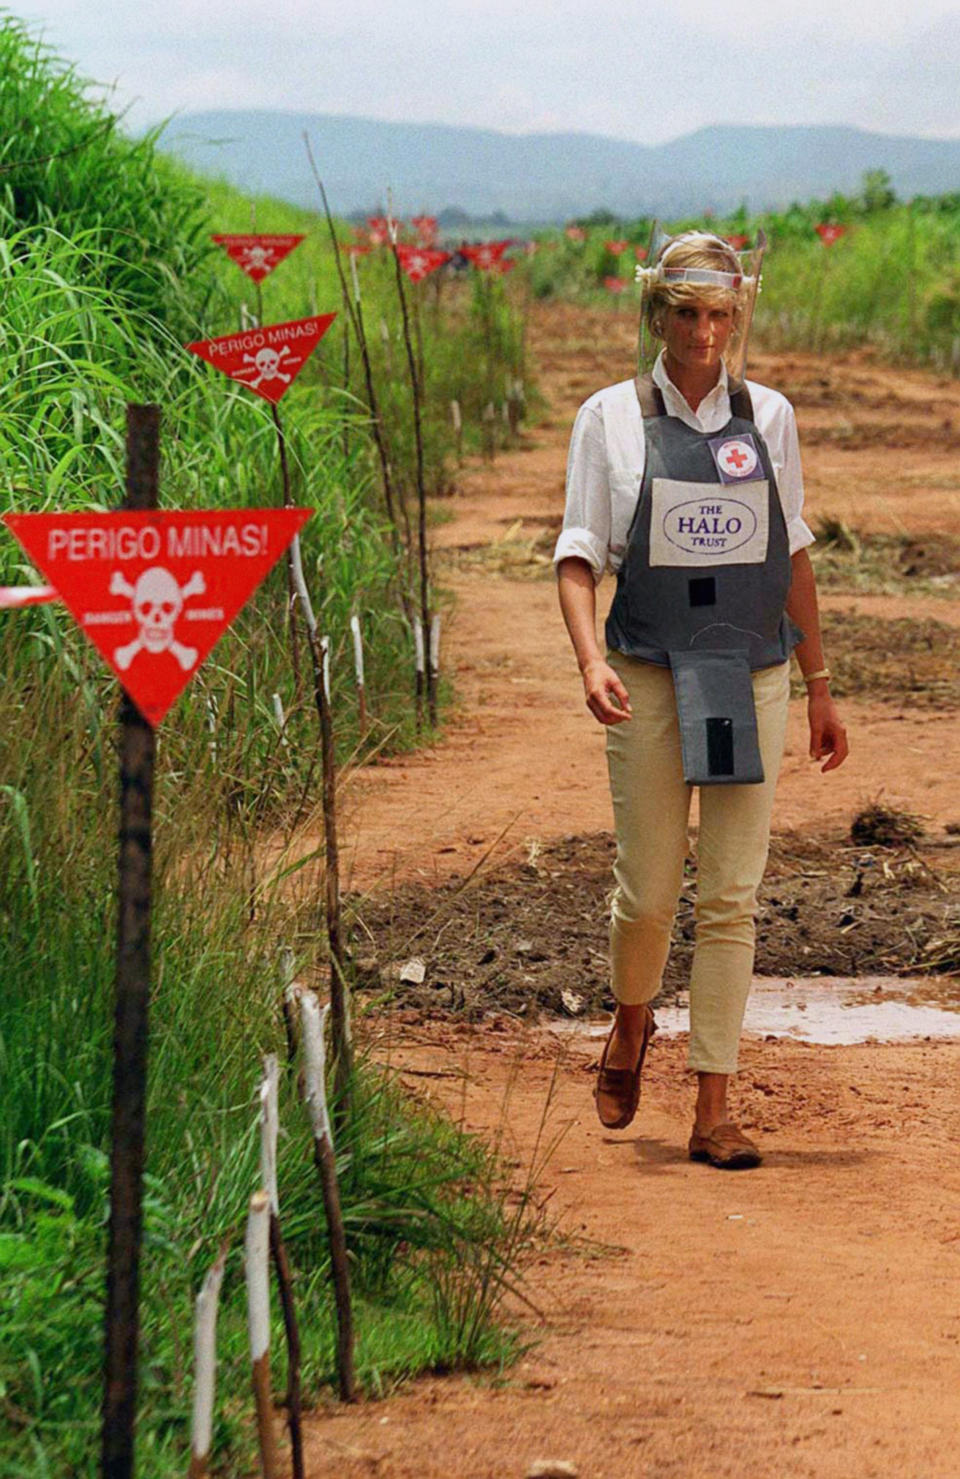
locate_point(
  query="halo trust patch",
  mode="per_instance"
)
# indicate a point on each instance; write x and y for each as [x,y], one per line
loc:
[736,457]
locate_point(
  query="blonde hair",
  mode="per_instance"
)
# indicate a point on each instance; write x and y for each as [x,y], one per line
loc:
[693,250]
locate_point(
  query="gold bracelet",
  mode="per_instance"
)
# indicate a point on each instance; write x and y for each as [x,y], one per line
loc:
[820,673]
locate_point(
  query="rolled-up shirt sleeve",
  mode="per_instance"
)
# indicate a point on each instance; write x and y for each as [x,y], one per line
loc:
[790,481]
[586,520]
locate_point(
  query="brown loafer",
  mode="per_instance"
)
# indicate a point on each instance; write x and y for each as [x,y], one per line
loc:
[617,1090]
[727,1147]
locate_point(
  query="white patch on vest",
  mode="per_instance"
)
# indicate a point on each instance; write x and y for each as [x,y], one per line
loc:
[737,458]
[702,524]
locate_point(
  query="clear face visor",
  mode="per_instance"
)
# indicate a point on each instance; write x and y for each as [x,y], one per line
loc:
[745,284]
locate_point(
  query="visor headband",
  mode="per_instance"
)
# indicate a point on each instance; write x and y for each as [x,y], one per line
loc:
[705,275]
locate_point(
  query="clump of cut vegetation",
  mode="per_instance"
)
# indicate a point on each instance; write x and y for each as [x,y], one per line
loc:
[855,560]
[878,825]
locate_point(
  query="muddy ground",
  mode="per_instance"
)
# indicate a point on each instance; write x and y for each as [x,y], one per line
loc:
[801,1321]
[528,936]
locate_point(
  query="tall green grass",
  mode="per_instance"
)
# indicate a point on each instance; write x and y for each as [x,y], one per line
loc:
[106,272]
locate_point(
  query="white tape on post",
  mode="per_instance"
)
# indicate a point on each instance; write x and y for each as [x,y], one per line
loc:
[269,1129]
[312,1021]
[300,586]
[357,649]
[281,719]
[435,645]
[257,1268]
[356,279]
[325,651]
[12,597]
[205,1362]
[457,418]
[418,644]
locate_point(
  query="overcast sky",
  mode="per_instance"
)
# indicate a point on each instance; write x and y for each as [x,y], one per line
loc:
[627,68]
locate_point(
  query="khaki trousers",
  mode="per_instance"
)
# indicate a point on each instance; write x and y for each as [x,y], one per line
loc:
[651,805]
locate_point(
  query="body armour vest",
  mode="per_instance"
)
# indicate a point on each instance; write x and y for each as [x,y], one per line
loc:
[704,581]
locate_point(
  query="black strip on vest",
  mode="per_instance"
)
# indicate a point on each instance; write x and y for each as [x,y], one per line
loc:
[740,403]
[720,746]
[650,397]
[703,590]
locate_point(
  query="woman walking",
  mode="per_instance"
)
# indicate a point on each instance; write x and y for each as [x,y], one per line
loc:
[687,483]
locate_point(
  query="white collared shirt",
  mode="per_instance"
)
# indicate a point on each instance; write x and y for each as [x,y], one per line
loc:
[607,454]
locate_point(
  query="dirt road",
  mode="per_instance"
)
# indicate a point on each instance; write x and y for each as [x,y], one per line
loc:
[801,1320]
[522,759]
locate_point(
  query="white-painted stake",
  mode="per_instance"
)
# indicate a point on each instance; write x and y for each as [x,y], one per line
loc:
[358,668]
[435,644]
[325,652]
[281,719]
[257,1271]
[256,1250]
[354,276]
[421,661]
[303,595]
[269,1129]
[357,649]
[205,1367]
[456,417]
[312,1021]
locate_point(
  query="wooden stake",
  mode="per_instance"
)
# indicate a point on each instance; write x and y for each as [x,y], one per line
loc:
[205,1367]
[269,1127]
[418,443]
[355,315]
[338,978]
[312,1020]
[257,1270]
[288,1003]
[291,588]
[128,1120]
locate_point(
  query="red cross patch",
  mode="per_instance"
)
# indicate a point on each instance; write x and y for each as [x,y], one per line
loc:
[736,457]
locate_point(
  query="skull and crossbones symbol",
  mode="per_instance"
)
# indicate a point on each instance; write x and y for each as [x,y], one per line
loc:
[157,601]
[266,362]
[257,258]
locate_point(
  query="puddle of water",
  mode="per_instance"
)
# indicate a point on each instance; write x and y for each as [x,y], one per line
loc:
[829,1009]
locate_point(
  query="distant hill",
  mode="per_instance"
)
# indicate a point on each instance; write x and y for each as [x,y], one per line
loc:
[549,177]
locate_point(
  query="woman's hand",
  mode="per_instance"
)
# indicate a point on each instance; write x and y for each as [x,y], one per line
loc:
[827,735]
[601,685]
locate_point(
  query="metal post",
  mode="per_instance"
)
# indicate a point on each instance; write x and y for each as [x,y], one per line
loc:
[137,751]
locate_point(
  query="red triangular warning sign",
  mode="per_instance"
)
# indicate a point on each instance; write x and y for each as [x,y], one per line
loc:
[418,262]
[154,591]
[485,254]
[266,360]
[257,255]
